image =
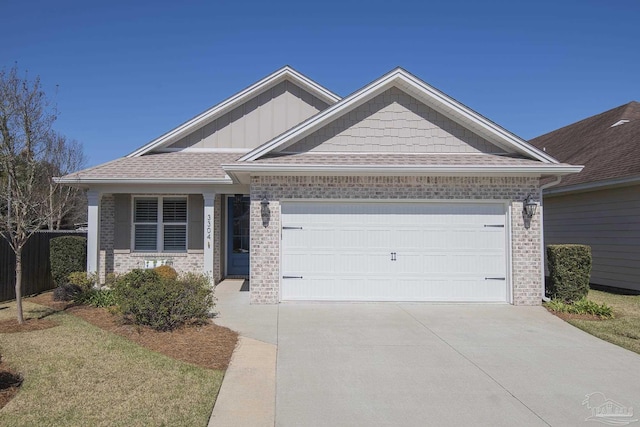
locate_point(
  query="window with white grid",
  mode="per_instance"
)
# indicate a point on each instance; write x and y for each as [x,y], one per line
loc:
[160,224]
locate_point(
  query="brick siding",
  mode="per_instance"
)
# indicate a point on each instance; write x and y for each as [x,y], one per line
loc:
[265,231]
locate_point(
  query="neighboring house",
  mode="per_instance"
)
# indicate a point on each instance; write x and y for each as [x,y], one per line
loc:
[600,206]
[394,193]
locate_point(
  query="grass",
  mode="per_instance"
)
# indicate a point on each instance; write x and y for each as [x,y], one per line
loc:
[623,329]
[78,374]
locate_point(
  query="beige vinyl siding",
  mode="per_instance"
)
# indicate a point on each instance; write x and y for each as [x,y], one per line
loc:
[606,220]
[122,217]
[257,120]
[196,221]
[394,122]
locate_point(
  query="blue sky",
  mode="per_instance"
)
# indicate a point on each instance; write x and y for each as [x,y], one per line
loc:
[124,72]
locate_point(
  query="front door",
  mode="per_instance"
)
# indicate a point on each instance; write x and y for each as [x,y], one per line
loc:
[238,236]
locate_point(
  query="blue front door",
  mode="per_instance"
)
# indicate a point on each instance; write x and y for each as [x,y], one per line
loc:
[238,236]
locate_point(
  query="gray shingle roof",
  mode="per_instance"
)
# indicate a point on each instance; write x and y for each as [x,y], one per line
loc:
[606,152]
[179,166]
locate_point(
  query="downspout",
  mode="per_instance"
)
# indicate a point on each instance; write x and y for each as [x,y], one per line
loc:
[544,187]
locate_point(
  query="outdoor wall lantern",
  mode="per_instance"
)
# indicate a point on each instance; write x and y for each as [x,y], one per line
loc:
[530,206]
[264,210]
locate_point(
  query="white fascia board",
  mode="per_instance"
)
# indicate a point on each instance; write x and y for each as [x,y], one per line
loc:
[592,186]
[236,100]
[94,181]
[545,169]
[402,80]
[459,110]
[171,189]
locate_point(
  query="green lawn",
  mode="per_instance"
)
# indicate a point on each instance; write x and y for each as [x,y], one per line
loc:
[79,375]
[624,329]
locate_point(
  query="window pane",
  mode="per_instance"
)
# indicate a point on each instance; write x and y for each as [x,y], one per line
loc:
[174,210]
[146,210]
[175,237]
[146,237]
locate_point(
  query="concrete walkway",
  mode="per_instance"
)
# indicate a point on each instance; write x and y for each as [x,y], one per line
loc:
[248,393]
[412,364]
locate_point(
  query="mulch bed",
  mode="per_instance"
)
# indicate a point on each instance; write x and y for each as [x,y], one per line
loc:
[209,346]
[10,382]
[11,326]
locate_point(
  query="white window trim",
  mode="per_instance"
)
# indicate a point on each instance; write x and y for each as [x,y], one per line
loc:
[159,223]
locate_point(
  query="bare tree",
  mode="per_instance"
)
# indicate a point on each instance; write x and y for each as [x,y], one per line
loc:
[65,204]
[28,148]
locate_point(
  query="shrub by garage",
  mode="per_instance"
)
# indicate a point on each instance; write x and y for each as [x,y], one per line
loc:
[569,271]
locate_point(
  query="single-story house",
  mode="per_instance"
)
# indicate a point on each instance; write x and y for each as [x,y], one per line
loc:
[396,192]
[599,206]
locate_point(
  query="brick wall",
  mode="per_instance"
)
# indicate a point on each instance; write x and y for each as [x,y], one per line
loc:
[265,231]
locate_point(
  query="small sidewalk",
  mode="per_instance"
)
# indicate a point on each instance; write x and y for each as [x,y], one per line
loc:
[248,393]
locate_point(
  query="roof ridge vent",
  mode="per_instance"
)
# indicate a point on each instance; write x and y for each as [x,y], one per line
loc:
[620,122]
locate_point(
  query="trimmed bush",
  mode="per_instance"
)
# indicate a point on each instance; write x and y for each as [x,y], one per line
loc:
[569,271]
[67,254]
[166,272]
[144,298]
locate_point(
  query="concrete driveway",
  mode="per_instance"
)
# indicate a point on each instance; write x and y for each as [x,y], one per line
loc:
[412,364]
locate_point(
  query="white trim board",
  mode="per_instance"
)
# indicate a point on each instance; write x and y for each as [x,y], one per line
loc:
[423,92]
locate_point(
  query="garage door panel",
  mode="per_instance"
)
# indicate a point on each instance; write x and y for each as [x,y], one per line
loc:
[355,288]
[394,251]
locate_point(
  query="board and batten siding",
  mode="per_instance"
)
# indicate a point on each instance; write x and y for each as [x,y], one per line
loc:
[256,121]
[394,122]
[606,220]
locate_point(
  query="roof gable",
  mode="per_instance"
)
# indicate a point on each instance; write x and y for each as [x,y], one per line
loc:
[608,152]
[285,79]
[416,88]
[393,122]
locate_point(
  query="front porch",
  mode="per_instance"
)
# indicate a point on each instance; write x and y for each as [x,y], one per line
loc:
[204,232]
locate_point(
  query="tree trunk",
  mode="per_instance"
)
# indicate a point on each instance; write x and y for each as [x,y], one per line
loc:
[19,285]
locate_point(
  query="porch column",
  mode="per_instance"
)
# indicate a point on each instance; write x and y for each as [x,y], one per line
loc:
[93,231]
[209,199]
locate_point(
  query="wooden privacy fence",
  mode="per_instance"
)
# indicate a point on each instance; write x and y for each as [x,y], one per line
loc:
[36,268]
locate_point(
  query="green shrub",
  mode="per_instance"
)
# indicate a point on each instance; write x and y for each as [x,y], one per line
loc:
[82,279]
[569,271]
[110,280]
[166,272]
[96,298]
[66,255]
[582,306]
[144,298]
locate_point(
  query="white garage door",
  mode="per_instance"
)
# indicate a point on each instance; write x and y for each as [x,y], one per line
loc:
[393,251]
